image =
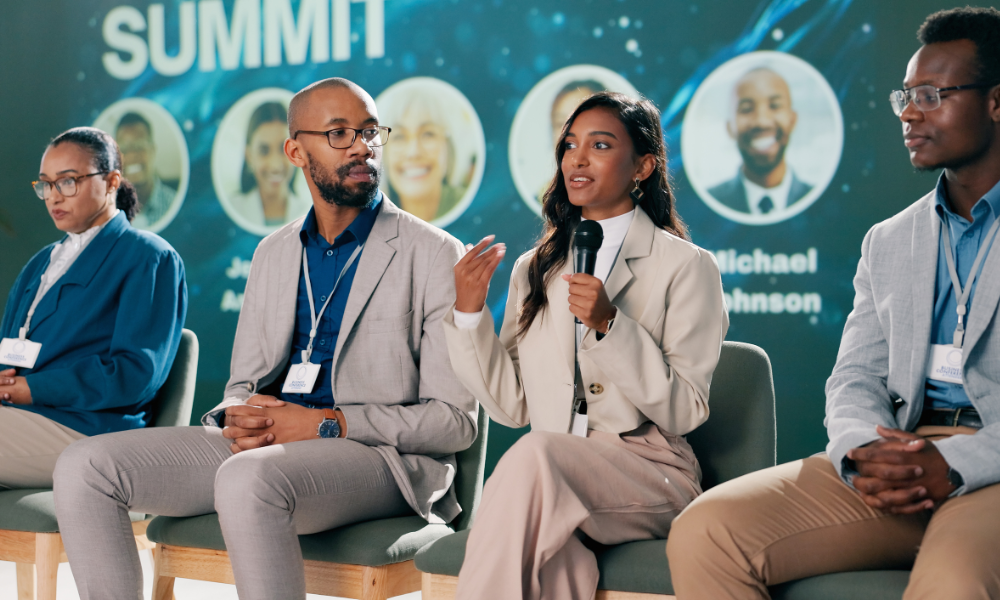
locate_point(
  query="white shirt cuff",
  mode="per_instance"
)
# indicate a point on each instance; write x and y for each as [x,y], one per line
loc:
[464,320]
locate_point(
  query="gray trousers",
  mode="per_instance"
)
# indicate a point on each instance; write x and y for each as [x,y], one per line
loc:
[264,498]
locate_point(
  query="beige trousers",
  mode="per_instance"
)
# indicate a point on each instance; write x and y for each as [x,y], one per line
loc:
[29,447]
[549,489]
[800,519]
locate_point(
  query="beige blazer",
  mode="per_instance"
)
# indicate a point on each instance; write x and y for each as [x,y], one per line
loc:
[655,364]
[391,373]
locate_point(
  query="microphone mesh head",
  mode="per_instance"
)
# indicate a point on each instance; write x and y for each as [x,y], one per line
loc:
[589,234]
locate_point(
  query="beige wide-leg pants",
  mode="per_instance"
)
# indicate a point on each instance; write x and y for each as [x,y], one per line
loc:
[800,519]
[550,487]
[30,444]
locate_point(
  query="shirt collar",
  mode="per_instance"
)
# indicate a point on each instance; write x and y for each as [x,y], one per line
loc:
[359,229]
[778,194]
[77,241]
[989,202]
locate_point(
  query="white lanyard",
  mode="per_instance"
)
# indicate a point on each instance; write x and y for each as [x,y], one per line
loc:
[307,353]
[962,295]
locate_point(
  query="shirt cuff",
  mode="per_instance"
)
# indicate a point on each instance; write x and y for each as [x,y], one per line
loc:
[464,320]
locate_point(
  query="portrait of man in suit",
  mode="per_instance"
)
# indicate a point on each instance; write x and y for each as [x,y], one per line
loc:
[761,123]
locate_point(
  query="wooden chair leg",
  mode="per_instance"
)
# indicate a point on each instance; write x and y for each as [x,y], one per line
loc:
[163,587]
[48,549]
[375,583]
[25,581]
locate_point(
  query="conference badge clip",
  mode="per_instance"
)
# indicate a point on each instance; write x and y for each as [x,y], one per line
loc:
[19,351]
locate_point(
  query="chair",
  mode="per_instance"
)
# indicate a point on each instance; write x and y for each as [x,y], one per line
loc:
[29,533]
[367,561]
[738,438]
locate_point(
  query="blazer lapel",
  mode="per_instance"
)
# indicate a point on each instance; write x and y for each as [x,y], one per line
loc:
[374,261]
[279,319]
[638,243]
[83,269]
[984,303]
[924,252]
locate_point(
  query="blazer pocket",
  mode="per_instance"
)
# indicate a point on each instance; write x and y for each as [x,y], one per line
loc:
[390,324]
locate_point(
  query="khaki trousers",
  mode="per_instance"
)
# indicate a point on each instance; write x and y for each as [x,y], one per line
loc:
[800,519]
[30,444]
[551,488]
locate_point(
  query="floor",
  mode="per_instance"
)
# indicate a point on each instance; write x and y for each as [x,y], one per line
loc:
[184,589]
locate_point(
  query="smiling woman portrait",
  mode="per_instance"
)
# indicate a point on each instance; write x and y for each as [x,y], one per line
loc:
[629,377]
[93,322]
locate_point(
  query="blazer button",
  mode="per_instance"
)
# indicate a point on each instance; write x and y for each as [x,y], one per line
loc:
[596,388]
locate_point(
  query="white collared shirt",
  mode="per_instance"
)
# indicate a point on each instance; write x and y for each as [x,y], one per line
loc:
[615,229]
[778,194]
[63,256]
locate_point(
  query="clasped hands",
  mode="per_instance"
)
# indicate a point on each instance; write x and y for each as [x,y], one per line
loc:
[14,389]
[588,300]
[902,473]
[265,420]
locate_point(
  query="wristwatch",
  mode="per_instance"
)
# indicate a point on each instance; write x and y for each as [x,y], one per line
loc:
[955,478]
[330,427]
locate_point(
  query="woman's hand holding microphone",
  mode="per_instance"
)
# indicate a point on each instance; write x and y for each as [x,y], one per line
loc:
[473,273]
[589,302]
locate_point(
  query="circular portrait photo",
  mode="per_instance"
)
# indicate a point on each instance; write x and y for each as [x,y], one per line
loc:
[154,158]
[433,161]
[257,186]
[539,121]
[762,138]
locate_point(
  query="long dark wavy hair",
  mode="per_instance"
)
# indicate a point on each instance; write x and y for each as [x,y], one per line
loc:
[107,157]
[642,121]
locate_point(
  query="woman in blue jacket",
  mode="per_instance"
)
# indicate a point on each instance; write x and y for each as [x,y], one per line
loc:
[92,324]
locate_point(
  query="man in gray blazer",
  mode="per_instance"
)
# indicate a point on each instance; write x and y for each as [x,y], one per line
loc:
[910,476]
[341,405]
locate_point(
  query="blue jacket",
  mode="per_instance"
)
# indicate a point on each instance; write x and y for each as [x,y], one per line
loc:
[109,329]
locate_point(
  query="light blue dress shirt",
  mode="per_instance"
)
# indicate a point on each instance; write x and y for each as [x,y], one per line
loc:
[966,239]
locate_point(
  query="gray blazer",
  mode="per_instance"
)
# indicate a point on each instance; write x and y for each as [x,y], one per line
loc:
[391,373]
[886,345]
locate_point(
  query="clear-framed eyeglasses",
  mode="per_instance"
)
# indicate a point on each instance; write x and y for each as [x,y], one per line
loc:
[926,97]
[342,138]
[67,186]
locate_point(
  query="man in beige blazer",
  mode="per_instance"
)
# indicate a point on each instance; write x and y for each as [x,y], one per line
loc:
[278,469]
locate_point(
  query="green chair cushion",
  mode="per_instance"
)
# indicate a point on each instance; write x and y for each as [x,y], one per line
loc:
[870,585]
[33,510]
[372,543]
[639,567]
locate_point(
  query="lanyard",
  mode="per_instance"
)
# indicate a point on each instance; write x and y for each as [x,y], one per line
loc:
[307,353]
[962,295]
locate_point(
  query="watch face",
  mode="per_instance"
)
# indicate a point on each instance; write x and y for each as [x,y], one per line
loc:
[329,428]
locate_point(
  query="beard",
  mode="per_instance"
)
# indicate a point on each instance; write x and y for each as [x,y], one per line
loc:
[760,164]
[333,188]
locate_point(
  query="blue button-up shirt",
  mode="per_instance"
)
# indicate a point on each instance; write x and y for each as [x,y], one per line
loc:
[966,239]
[326,261]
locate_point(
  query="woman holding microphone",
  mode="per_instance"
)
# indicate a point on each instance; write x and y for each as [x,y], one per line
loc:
[93,322]
[651,321]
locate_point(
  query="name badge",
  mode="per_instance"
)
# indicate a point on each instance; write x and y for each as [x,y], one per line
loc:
[301,379]
[579,425]
[945,363]
[19,353]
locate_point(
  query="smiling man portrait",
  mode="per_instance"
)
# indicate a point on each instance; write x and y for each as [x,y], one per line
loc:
[761,123]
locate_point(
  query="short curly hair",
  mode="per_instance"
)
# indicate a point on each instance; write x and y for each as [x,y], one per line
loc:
[980,25]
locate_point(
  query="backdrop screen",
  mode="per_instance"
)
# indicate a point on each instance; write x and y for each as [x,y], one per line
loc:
[783,149]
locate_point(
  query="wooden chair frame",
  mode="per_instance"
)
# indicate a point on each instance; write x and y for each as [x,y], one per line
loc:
[442,587]
[37,556]
[322,578]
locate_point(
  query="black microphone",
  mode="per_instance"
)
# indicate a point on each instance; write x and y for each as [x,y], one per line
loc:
[587,240]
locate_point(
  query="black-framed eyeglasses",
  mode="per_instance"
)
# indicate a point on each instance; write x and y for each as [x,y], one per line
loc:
[342,138]
[926,97]
[67,186]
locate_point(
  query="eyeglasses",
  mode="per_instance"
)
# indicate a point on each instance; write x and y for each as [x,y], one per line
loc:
[926,97]
[67,186]
[344,137]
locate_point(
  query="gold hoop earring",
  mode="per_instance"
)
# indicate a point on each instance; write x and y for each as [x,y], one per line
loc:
[637,193]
